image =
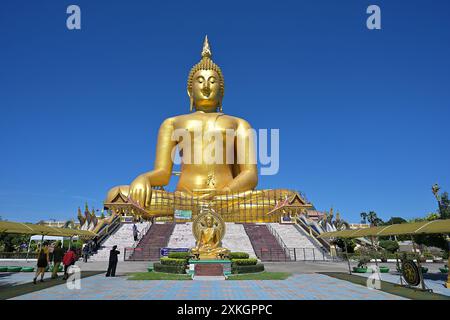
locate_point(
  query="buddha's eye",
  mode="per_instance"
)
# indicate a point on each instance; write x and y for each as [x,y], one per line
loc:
[212,80]
[200,79]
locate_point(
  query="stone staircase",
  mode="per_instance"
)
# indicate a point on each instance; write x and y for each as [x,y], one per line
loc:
[122,238]
[301,246]
[182,236]
[265,245]
[236,239]
[157,237]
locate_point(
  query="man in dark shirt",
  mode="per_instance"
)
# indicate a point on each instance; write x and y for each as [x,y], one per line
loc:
[58,254]
[112,262]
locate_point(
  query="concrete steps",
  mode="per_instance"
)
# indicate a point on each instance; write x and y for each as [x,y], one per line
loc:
[300,244]
[122,238]
[265,245]
[157,237]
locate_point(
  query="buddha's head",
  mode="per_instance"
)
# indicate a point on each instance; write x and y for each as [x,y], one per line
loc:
[209,221]
[205,83]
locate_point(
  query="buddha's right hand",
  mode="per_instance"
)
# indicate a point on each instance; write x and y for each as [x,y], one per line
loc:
[141,190]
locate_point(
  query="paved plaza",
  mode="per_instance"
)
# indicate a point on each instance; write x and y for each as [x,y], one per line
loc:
[299,286]
[305,283]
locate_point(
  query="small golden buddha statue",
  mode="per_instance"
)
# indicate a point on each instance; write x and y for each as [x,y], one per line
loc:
[209,236]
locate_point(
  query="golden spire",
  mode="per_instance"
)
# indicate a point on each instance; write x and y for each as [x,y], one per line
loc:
[206,52]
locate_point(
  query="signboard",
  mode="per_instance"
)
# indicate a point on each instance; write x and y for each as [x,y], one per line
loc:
[164,252]
[183,214]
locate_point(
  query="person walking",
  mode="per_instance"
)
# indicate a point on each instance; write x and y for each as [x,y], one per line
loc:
[68,260]
[135,232]
[42,262]
[58,254]
[85,252]
[112,262]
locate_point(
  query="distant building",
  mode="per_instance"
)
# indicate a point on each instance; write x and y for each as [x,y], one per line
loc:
[359,225]
[53,223]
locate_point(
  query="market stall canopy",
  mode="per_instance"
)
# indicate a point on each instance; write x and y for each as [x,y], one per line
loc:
[425,227]
[28,228]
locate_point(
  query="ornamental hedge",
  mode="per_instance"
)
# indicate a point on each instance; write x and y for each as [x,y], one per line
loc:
[158,267]
[245,262]
[236,269]
[173,262]
[179,255]
[239,255]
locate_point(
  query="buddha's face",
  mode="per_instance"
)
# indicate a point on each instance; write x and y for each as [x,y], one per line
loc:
[209,222]
[206,90]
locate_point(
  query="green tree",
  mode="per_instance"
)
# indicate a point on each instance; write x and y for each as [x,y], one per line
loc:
[389,245]
[340,242]
[444,206]
[395,220]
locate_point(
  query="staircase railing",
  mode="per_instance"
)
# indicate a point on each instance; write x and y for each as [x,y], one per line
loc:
[313,233]
[279,240]
[141,235]
[108,230]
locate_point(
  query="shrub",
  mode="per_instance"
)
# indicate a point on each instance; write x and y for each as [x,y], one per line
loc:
[179,255]
[363,261]
[236,269]
[390,245]
[245,262]
[173,262]
[158,267]
[239,255]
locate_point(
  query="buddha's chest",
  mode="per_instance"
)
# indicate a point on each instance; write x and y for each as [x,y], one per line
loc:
[205,126]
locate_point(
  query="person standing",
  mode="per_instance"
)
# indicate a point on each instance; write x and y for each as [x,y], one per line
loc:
[42,262]
[58,254]
[135,232]
[112,262]
[68,260]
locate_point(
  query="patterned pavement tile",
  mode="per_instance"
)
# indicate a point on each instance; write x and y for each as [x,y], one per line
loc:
[301,286]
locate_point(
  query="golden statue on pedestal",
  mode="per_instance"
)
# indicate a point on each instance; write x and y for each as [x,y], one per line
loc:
[228,185]
[209,230]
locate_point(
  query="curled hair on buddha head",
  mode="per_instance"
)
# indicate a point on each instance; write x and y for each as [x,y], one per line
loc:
[206,63]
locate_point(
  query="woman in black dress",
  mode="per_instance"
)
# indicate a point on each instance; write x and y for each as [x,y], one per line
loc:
[42,263]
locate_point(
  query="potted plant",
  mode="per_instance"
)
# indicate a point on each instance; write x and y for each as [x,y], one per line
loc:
[424,270]
[444,269]
[384,269]
[362,264]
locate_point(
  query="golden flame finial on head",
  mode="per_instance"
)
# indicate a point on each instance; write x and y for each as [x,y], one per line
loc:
[206,52]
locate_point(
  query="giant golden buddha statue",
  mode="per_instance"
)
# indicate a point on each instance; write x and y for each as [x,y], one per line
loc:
[227,183]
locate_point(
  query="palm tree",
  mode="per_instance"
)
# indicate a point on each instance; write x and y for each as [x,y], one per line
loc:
[373,219]
[363,217]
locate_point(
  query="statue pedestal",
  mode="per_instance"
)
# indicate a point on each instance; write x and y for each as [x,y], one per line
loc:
[209,267]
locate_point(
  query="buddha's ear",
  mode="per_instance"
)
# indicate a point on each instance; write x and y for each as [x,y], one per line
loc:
[191,100]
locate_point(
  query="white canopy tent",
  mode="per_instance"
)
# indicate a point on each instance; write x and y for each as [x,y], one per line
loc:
[42,238]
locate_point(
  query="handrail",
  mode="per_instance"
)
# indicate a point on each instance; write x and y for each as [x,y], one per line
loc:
[319,241]
[142,235]
[109,230]
[279,239]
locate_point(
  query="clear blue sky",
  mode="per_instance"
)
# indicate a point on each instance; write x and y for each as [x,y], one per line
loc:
[363,115]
